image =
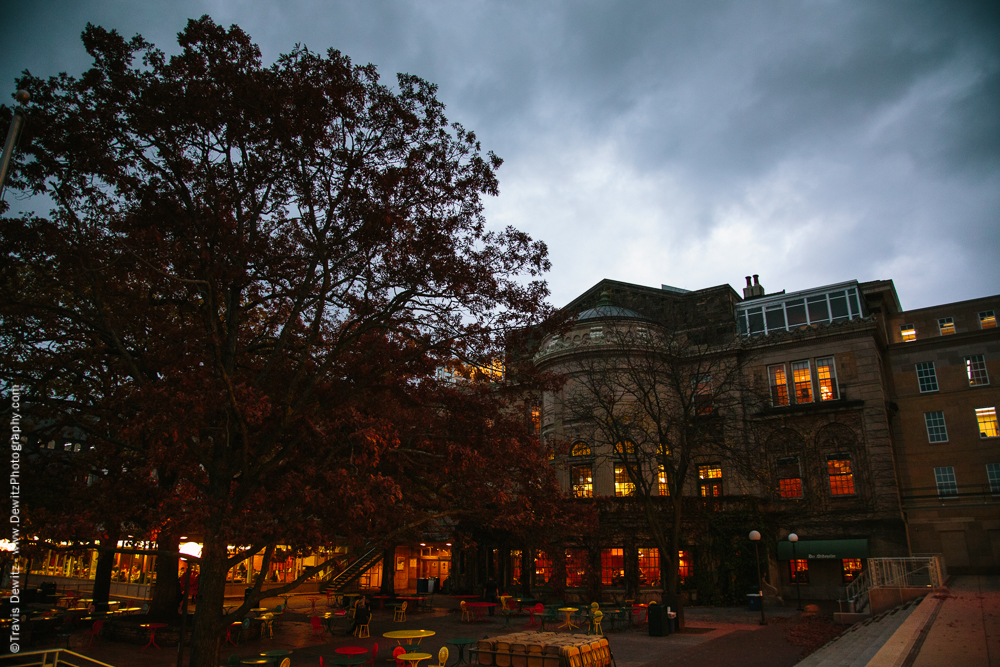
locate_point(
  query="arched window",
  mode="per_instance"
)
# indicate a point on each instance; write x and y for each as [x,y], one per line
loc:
[627,447]
[580,449]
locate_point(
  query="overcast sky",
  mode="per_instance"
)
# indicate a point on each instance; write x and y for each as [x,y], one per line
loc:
[687,143]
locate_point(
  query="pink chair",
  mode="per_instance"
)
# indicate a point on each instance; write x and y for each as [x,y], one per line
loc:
[374,653]
[95,630]
[319,632]
[396,652]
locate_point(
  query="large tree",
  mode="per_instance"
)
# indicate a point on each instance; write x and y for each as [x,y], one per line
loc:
[244,279]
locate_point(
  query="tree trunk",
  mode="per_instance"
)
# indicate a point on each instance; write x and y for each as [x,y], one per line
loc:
[527,572]
[211,596]
[102,575]
[388,584]
[163,606]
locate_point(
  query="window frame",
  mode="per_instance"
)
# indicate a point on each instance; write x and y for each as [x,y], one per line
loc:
[711,482]
[833,387]
[796,383]
[987,416]
[936,433]
[849,574]
[975,370]
[584,489]
[987,319]
[908,332]
[778,386]
[798,571]
[662,484]
[993,477]
[946,326]
[843,479]
[624,486]
[787,462]
[946,482]
[930,377]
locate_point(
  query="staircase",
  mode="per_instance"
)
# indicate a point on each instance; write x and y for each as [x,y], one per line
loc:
[857,646]
[351,573]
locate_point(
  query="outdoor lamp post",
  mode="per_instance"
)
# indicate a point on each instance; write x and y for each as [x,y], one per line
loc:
[755,538]
[793,538]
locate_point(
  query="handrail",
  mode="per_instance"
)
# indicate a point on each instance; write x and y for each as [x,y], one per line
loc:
[59,656]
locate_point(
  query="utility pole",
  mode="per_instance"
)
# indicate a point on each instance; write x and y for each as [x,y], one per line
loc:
[13,134]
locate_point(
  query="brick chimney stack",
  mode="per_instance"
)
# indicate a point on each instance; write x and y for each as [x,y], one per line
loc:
[755,290]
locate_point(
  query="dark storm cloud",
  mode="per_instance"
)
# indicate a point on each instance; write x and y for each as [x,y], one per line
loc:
[686,143]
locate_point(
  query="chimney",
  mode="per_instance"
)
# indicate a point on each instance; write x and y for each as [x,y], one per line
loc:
[755,290]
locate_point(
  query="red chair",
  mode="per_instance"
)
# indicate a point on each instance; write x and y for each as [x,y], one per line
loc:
[374,653]
[537,609]
[95,630]
[318,629]
[396,652]
[321,661]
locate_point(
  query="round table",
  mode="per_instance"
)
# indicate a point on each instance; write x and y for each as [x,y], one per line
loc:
[569,612]
[414,658]
[277,653]
[461,643]
[313,600]
[400,635]
[153,627]
[351,650]
[256,661]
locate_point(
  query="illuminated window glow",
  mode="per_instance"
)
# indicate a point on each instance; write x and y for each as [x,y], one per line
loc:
[826,373]
[908,332]
[661,478]
[987,418]
[624,486]
[789,477]
[710,480]
[850,569]
[576,567]
[946,325]
[649,567]
[583,481]
[803,382]
[790,488]
[612,567]
[580,449]
[798,571]
[987,320]
[841,476]
[684,565]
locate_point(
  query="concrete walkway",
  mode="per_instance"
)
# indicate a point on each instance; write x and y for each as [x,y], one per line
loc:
[966,630]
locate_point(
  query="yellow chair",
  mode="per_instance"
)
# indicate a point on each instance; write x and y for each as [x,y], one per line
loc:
[504,599]
[596,622]
[466,613]
[399,613]
[573,658]
[442,656]
[361,631]
[594,606]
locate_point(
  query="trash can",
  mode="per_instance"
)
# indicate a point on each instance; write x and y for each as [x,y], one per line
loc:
[753,601]
[432,585]
[656,617]
[422,586]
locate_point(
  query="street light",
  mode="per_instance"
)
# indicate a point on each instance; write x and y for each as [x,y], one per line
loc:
[755,538]
[793,538]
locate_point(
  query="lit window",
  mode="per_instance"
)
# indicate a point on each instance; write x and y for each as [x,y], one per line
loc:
[908,332]
[927,377]
[627,448]
[664,486]
[993,475]
[841,476]
[987,418]
[684,568]
[543,566]
[987,320]
[779,384]
[583,481]
[975,368]
[649,567]
[945,479]
[515,566]
[789,477]
[803,382]
[710,480]
[612,567]
[623,483]
[826,373]
[798,571]
[937,431]
[580,449]
[536,420]
[946,325]
[850,569]
[702,386]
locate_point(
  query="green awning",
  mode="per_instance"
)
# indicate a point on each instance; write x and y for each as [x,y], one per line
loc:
[823,549]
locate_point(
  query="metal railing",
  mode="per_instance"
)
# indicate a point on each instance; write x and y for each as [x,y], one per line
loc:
[921,571]
[56,657]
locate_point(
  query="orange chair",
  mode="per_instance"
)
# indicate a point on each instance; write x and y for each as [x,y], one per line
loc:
[95,630]
[396,652]
[318,630]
